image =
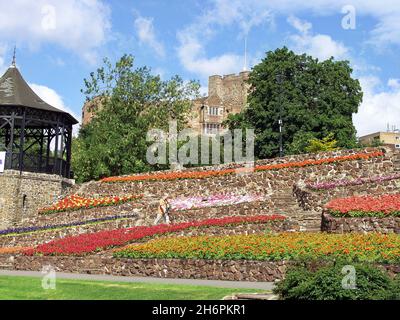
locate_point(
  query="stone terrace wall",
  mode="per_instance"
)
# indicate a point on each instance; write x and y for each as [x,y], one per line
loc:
[276,185]
[266,182]
[233,270]
[21,195]
[244,270]
[365,224]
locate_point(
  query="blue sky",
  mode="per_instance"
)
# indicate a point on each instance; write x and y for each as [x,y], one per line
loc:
[59,42]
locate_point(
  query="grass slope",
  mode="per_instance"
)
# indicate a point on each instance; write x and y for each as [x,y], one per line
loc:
[30,288]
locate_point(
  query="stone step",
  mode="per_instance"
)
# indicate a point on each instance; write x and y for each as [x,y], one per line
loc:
[252,296]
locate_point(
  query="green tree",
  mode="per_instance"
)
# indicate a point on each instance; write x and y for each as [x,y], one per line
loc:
[135,101]
[317,98]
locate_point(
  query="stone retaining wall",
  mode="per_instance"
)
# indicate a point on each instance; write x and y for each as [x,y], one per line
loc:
[366,224]
[232,270]
[243,270]
[264,182]
[22,194]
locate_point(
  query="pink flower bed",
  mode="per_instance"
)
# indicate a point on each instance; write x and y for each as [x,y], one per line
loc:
[212,201]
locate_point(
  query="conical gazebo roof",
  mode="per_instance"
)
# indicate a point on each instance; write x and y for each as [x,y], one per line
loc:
[14,91]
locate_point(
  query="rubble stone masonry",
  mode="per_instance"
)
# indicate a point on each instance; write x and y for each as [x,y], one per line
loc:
[22,194]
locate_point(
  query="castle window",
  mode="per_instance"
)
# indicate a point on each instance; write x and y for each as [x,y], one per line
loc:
[211,128]
[213,111]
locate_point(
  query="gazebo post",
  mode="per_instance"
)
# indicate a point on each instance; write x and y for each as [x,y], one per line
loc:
[11,142]
[22,142]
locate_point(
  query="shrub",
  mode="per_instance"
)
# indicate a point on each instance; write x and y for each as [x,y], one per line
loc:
[371,283]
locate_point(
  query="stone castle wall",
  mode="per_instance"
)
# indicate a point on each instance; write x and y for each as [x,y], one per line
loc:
[21,195]
[227,93]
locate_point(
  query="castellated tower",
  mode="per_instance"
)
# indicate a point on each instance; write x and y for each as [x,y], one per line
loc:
[226,95]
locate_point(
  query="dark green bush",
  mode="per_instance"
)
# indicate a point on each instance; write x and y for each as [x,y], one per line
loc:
[325,283]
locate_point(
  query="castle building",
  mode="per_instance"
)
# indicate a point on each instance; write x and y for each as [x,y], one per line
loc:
[226,95]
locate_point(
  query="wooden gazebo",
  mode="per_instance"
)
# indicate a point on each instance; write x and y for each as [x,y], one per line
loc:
[35,135]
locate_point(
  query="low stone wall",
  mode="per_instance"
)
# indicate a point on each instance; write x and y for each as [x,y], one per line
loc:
[366,224]
[243,270]
[231,270]
[22,194]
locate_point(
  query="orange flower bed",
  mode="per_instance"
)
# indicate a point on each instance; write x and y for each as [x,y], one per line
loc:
[372,247]
[75,202]
[11,250]
[214,173]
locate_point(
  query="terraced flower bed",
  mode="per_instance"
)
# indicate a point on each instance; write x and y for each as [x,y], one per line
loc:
[76,202]
[33,229]
[217,200]
[91,242]
[332,184]
[273,247]
[365,206]
[11,250]
[215,173]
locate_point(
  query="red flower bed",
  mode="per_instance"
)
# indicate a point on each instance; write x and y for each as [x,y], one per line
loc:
[364,206]
[91,242]
[75,202]
[214,173]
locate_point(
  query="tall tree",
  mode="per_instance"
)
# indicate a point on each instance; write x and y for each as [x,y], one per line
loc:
[133,102]
[314,98]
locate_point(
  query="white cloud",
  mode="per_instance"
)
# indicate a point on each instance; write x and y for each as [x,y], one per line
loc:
[194,38]
[394,83]
[320,46]
[145,31]
[301,25]
[3,51]
[379,107]
[77,25]
[51,97]
[191,55]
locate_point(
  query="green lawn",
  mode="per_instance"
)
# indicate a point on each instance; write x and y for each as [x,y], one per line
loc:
[30,288]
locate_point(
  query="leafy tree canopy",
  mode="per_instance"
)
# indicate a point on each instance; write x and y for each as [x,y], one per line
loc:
[133,102]
[317,98]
